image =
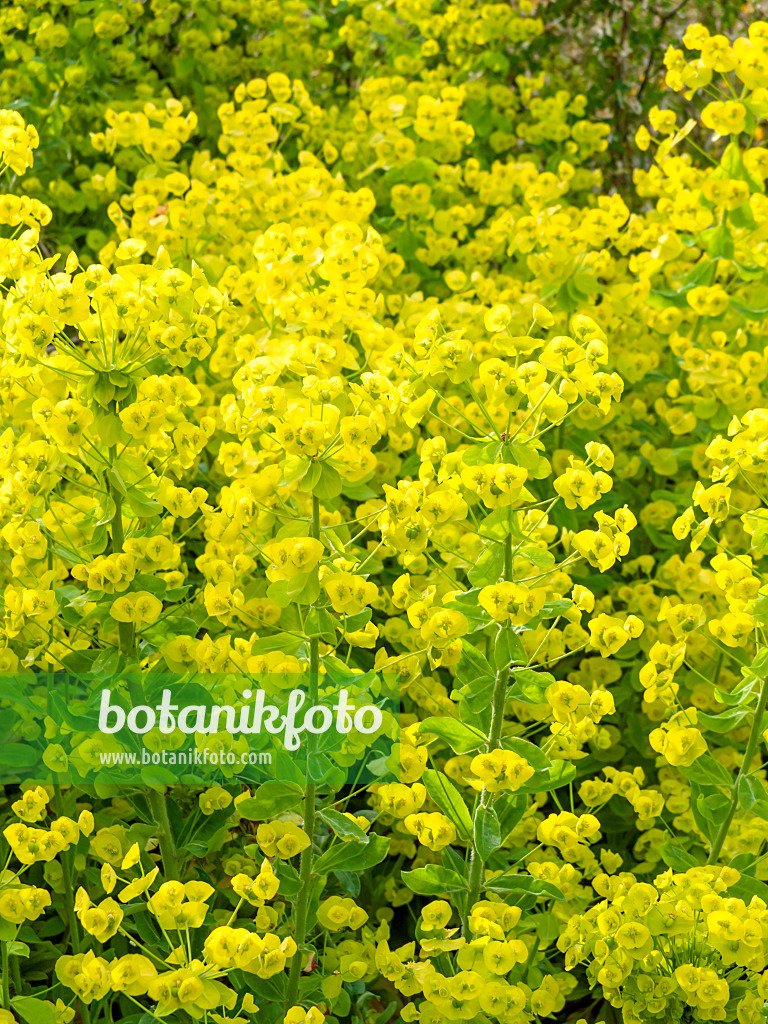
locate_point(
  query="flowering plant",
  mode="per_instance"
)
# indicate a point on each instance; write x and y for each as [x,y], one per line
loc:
[370,391]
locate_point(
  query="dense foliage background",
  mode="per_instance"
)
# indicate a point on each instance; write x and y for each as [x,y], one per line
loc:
[346,343]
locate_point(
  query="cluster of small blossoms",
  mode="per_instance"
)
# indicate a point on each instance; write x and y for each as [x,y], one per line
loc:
[679,948]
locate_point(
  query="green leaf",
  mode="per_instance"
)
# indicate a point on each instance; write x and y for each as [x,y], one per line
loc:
[34,1011]
[301,589]
[547,927]
[508,648]
[360,857]
[293,528]
[295,468]
[489,567]
[18,755]
[357,621]
[460,737]
[499,524]
[143,506]
[290,883]
[676,858]
[450,801]
[534,755]
[487,831]
[719,242]
[107,511]
[750,314]
[753,796]
[174,625]
[150,171]
[132,469]
[108,661]
[560,774]
[205,836]
[476,676]
[510,882]
[467,604]
[724,721]
[433,880]
[747,887]
[270,798]
[523,453]
[14,690]
[552,609]
[18,949]
[422,169]
[703,815]
[732,162]
[116,482]
[708,772]
[358,491]
[279,642]
[702,274]
[453,860]
[481,454]
[478,694]
[320,623]
[542,559]
[343,826]
[472,664]
[739,694]
[511,810]
[321,770]
[110,429]
[328,484]
[529,686]
[407,243]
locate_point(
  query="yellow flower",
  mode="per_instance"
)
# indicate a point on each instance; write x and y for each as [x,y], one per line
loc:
[501,770]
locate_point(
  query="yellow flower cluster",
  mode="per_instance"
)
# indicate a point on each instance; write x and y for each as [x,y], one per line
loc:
[660,948]
[349,381]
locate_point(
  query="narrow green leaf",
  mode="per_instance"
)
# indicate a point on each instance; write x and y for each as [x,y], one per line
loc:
[487,831]
[450,801]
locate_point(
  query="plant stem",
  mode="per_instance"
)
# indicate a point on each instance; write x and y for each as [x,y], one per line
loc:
[494,740]
[156,801]
[159,809]
[6,978]
[307,856]
[124,629]
[69,899]
[749,753]
[16,972]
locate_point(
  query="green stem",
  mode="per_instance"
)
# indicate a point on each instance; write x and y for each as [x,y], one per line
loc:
[124,629]
[157,804]
[69,899]
[718,669]
[749,753]
[67,867]
[494,740]
[307,856]
[159,809]
[16,972]
[6,976]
